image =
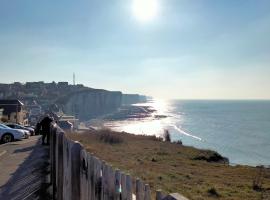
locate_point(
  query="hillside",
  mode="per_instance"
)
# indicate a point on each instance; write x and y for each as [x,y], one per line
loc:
[176,168]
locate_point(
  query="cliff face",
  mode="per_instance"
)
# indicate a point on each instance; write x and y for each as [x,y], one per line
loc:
[89,104]
[78,100]
[128,99]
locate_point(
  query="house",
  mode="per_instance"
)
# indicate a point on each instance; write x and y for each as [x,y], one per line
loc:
[70,119]
[13,111]
[62,85]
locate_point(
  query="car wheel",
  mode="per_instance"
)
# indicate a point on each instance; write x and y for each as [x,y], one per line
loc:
[7,138]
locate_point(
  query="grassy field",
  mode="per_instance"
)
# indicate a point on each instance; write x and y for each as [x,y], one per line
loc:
[176,168]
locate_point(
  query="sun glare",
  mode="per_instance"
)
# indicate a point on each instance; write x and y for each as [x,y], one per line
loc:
[145,10]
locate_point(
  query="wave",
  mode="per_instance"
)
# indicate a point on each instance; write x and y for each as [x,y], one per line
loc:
[185,133]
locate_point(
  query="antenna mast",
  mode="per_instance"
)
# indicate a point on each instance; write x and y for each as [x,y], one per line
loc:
[74,79]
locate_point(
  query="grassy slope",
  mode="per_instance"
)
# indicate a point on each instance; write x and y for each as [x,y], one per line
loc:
[171,167]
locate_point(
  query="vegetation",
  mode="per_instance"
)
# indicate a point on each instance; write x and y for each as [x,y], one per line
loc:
[176,168]
[109,137]
[213,192]
[167,136]
[3,119]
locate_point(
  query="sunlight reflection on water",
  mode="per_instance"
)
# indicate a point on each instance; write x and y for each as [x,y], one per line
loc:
[153,125]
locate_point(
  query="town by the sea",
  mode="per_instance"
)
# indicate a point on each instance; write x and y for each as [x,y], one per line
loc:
[238,130]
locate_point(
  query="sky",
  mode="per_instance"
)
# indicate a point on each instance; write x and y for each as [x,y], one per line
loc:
[171,49]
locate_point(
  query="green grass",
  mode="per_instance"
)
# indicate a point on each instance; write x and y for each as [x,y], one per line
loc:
[174,168]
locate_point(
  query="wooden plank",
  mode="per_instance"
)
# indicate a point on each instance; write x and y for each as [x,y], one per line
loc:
[103,165]
[75,170]
[110,177]
[139,190]
[147,192]
[65,169]
[93,178]
[67,194]
[117,185]
[98,179]
[90,176]
[123,187]
[159,195]
[54,161]
[60,174]
[105,182]
[129,187]
[84,175]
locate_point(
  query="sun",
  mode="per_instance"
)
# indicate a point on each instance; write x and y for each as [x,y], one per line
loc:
[145,10]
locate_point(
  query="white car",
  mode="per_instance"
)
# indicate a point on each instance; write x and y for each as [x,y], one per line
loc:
[28,131]
[8,134]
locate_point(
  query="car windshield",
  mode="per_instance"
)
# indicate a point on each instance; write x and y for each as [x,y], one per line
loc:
[16,126]
[4,126]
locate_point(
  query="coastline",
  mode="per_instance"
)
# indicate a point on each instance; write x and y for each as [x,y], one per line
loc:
[146,119]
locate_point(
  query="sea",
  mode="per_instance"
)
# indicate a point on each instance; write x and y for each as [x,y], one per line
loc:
[237,129]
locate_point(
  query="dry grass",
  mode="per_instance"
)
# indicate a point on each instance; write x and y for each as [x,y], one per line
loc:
[174,168]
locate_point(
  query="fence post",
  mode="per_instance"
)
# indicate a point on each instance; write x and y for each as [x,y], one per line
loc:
[105,181]
[52,141]
[117,184]
[147,192]
[60,174]
[110,177]
[84,176]
[139,190]
[123,187]
[75,170]
[102,171]
[90,176]
[67,169]
[98,179]
[159,195]
[129,187]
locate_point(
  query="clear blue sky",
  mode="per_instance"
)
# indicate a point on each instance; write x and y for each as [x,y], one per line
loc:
[217,49]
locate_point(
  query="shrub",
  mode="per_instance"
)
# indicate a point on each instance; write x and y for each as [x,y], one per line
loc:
[110,137]
[155,138]
[211,156]
[167,136]
[179,142]
[4,119]
[213,192]
[258,179]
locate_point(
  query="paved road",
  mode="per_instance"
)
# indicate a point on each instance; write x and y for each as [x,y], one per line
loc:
[23,170]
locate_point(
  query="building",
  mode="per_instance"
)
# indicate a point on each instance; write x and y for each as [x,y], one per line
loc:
[34,85]
[13,111]
[62,85]
[70,119]
[34,111]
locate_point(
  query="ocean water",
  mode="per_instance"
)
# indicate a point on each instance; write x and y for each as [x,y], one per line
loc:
[238,130]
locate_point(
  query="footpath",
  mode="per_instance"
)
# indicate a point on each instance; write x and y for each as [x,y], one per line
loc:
[24,170]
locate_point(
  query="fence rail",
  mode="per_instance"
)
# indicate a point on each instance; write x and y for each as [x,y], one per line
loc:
[79,175]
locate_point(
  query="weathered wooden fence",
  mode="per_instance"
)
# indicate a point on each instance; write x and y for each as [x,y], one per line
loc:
[78,175]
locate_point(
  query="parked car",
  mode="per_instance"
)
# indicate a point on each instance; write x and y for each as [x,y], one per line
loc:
[29,126]
[65,125]
[17,126]
[8,134]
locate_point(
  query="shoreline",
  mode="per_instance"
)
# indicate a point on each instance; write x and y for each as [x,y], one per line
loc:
[128,117]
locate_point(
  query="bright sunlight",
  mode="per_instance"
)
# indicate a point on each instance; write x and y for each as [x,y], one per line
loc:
[145,10]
